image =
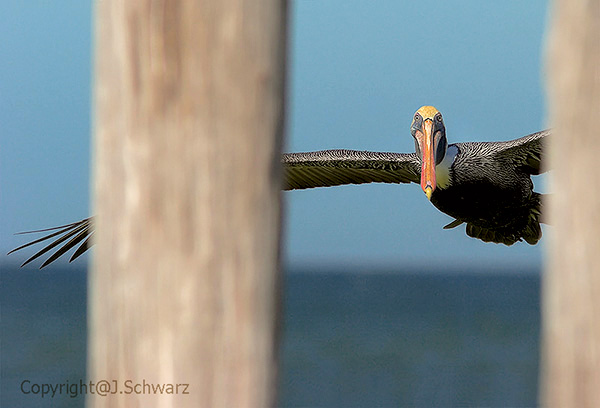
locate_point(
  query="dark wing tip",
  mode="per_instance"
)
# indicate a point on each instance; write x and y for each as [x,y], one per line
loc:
[74,234]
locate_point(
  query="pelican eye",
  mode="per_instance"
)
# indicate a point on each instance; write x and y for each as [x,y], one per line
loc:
[438,117]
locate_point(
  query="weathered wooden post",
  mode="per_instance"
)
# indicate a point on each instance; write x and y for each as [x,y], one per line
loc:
[188,127]
[571,288]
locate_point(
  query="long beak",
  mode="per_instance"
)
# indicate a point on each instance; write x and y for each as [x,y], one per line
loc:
[428,160]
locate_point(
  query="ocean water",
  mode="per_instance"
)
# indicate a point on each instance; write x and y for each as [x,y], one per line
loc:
[367,338]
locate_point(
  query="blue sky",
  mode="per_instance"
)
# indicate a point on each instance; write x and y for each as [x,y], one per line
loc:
[358,71]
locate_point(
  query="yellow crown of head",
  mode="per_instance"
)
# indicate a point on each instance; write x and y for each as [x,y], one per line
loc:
[427,112]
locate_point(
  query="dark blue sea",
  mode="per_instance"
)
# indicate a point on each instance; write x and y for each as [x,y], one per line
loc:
[351,338]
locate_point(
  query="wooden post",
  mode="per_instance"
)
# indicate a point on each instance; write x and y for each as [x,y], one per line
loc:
[571,289]
[188,126]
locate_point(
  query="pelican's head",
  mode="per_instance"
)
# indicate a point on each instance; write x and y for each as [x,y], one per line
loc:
[430,143]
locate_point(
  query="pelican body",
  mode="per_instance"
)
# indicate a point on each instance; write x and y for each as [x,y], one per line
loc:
[495,198]
[486,185]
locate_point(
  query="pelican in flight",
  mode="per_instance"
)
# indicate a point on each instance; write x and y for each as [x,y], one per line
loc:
[486,185]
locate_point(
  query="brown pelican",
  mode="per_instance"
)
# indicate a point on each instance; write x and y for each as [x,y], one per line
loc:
[486,185]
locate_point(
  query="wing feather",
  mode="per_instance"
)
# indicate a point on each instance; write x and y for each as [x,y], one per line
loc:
[526,152]
[74,234]
[328,168]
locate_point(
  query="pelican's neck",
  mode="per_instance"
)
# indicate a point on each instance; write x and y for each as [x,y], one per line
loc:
[442,170]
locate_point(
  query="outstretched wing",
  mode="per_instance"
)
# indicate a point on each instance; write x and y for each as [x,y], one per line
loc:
[336,167]
[526,152]
[67,237]
[302,170]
